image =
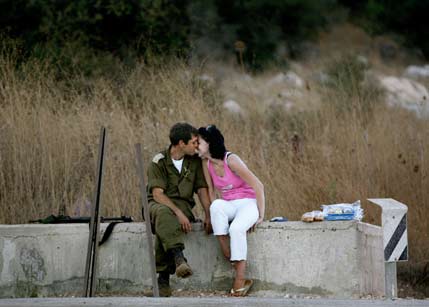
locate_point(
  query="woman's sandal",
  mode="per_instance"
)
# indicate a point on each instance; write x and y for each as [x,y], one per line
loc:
[242,291]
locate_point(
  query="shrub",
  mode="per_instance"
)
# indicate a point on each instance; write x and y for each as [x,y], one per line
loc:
[351,87]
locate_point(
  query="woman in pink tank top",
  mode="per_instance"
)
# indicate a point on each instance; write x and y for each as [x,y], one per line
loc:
[237,201]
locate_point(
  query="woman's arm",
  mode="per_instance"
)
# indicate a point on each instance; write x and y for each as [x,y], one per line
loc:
[240,168]
[209,181]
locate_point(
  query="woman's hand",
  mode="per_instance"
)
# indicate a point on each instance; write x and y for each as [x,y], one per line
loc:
[208,226]
[258,221]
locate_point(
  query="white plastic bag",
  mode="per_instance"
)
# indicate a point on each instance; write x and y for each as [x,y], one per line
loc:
[343,211]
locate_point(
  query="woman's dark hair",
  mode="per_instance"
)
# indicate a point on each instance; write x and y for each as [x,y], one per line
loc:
[214,137]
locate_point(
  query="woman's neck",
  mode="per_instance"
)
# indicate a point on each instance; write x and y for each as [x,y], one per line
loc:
[215,161]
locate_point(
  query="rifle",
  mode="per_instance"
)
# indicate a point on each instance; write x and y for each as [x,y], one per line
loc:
[65,219]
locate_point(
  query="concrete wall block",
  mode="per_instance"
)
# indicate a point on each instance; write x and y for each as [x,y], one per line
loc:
[371,256]
[332,259]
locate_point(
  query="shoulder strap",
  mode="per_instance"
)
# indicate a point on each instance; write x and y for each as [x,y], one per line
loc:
[107,232]
[228,153]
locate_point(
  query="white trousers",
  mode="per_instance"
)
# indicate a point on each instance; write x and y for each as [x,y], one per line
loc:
[243,213]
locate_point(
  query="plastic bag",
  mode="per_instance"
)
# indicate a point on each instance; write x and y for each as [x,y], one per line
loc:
[308,217]
[279,219]
[343,211]
[312,216]
[318,215]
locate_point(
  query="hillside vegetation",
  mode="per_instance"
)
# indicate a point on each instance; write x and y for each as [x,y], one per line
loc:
[349,147]
[138,67]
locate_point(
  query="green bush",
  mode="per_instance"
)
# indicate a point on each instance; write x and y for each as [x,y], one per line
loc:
[74,33]
[352,89]
[263,24]
[127,29]
[408,17]
[120,27]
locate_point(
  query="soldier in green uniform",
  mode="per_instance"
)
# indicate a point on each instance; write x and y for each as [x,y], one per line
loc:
[174,175]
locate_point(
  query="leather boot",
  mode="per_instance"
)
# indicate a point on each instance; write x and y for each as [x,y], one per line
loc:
[163,286]
[183,270]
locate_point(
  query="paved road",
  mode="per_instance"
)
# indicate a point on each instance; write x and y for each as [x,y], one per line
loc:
[198,302]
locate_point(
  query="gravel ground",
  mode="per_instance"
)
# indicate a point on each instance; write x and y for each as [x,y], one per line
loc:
[205,301]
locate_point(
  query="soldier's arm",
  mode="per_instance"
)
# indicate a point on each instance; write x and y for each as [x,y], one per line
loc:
[209,181]
[205,201]
[204,194]
[161,198]
[157,183]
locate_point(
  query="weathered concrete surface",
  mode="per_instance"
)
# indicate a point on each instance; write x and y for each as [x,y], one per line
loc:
[330,259]
[198,302]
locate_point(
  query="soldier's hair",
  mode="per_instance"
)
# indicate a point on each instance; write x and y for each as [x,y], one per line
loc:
[182,131]
[214,137]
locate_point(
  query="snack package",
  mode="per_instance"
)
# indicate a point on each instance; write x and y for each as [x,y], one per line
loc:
[308,217]
[343,211]
[318,216]
[312,216]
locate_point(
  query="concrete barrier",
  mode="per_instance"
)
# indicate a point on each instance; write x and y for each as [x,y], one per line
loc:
[331,259]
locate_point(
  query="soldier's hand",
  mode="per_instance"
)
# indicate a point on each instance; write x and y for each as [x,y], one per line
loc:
[208,226]
[184,222]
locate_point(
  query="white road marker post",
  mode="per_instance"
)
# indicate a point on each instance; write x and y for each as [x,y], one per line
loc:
[395,240]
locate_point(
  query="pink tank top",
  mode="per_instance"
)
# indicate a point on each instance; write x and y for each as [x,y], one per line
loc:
[230,185]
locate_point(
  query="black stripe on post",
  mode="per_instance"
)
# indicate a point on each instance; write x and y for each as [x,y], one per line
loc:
[404,255]
[397,235]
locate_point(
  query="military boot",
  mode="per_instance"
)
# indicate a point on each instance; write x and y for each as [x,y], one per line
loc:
[163,286]
[183,270]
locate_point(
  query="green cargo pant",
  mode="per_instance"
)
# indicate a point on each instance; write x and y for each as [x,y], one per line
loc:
[168,233]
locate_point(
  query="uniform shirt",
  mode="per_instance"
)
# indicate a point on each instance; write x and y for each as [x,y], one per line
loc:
[179,187]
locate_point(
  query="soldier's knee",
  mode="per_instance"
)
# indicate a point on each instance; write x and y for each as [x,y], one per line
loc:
[166,213]
[162,210]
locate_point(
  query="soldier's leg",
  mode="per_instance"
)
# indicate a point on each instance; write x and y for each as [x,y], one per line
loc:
[164,267]
[163,259]
[164,262]
[183,269]
[167,227]
[170,238]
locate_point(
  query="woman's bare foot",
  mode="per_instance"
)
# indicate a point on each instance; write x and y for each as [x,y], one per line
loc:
[238,283]
[243,290]
[240,269]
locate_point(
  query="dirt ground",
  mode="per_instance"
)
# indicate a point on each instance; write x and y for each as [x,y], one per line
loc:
[405,290]
[408,290]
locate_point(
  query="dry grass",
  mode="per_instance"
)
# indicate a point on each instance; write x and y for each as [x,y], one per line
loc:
[49,134]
